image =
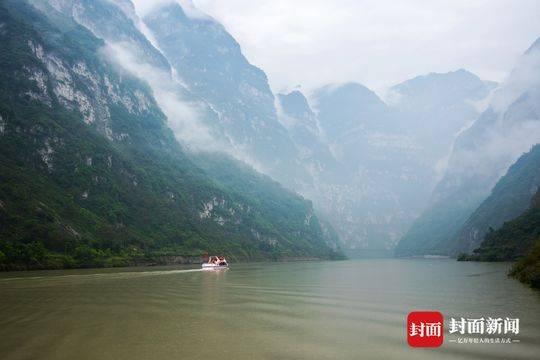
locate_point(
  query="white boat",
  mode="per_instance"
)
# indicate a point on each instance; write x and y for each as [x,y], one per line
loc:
[215,263]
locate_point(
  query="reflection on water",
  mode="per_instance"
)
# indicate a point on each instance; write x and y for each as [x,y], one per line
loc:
[310,310]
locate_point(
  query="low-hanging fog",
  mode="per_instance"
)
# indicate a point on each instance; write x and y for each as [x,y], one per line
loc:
[460,100]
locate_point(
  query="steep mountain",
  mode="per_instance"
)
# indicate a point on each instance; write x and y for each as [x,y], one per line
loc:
[518,239]
[301,122]
[131,45]
[105,21]
[287,144]
[283,209]
[202,117]
[92,175]
[481,155]
[361,161]
[210,62]
[509,198]
[514,239]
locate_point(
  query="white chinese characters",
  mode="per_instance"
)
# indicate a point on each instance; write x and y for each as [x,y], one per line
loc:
[482,325]
[427,329]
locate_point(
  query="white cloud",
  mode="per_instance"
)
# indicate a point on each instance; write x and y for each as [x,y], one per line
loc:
[500,148]
[184,117]
[526,75]
[145,6]
[377,42]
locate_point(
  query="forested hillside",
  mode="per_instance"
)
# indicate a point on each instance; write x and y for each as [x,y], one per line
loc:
[91,175]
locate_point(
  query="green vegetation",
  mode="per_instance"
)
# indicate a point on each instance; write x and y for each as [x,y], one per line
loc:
[519,240]
[527,269]
[510,197]
[119,190]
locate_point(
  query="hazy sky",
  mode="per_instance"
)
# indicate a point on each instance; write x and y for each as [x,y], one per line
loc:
[376,42]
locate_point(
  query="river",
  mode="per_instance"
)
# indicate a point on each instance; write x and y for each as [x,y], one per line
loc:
[300,310]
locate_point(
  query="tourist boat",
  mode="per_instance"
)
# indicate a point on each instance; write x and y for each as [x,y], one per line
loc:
[215,263]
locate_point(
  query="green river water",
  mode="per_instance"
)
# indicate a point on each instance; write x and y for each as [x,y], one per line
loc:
[354,309]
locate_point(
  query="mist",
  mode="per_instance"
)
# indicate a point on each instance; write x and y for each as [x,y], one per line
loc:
[515,124]
[184,117]
[238,149]
[371,164]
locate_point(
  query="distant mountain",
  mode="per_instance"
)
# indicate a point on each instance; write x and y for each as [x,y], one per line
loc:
[433,108]
[509,198]
[481,155]
[380,182]
[92,175]
[392,154]
[349,108]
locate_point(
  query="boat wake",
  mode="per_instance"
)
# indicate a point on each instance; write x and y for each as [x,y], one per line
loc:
[105,275]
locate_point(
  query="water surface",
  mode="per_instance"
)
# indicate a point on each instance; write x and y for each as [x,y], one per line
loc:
[306,310]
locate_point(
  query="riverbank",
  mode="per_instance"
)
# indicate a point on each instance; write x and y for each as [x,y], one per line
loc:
[526,269]
[60,262]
